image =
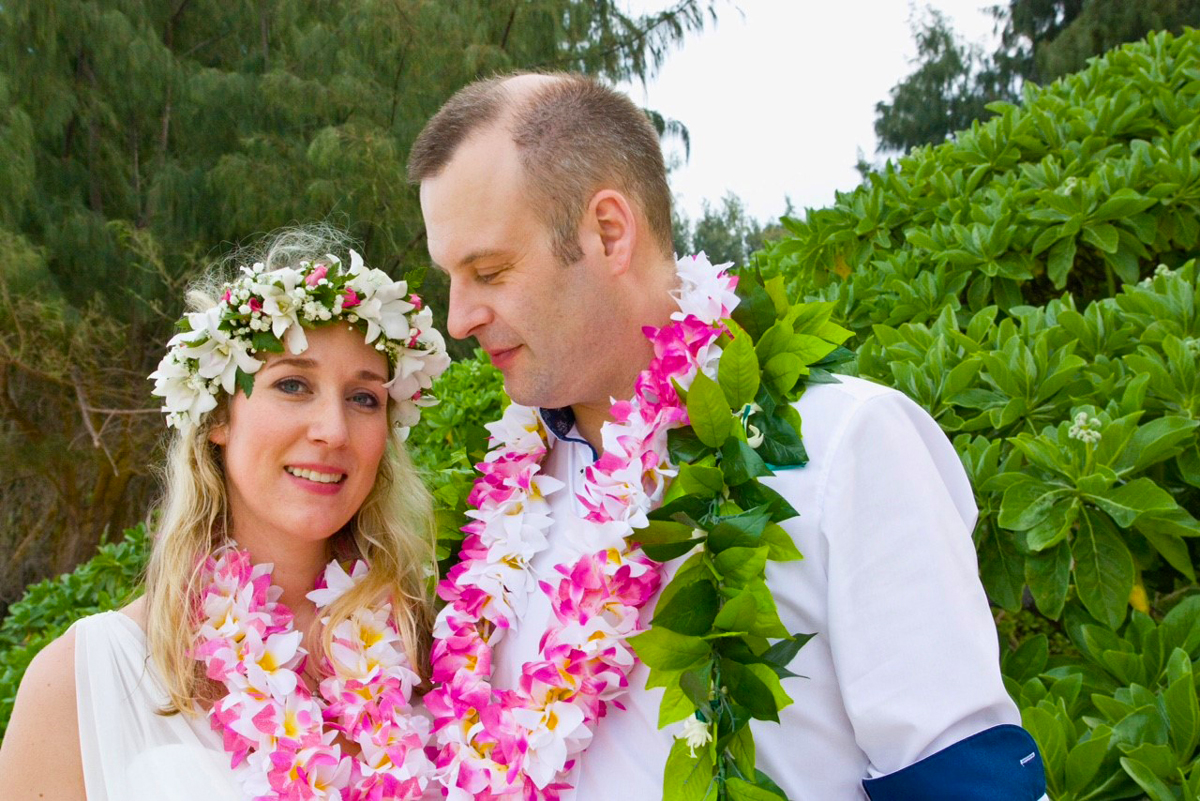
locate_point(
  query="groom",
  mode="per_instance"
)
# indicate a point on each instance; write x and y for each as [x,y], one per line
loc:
[546,203]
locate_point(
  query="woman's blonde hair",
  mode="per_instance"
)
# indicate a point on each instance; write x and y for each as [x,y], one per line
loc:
[392,530]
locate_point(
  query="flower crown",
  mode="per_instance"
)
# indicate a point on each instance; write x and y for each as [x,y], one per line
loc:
[215,349]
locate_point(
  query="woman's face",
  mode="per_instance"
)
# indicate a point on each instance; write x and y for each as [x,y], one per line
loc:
[302,452]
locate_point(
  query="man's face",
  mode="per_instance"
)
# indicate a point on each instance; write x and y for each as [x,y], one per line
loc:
[543,323]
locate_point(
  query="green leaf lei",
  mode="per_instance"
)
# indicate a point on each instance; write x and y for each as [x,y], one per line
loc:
[710,642]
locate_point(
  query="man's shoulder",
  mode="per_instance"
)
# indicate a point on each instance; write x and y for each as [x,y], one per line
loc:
[844,398]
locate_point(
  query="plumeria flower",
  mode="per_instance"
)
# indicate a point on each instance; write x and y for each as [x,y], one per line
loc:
[705,291]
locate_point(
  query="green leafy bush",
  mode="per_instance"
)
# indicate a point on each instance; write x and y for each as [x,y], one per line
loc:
[109,580]
[1033,284]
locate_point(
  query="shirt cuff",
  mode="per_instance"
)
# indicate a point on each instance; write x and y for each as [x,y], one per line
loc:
[999,764]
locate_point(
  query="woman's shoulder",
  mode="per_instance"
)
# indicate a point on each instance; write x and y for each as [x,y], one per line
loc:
[41,745]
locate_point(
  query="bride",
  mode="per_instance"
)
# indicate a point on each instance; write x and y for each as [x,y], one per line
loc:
[254,666]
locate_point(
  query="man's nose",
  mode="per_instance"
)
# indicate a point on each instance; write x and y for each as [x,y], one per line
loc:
[467,313]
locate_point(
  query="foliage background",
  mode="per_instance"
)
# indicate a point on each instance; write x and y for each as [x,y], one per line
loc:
[140,141]
[1032,283]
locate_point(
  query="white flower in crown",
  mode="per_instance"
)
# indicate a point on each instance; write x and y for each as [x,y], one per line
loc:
[705,290]
[186,396]
[219,356]
[217,346]
[281,303]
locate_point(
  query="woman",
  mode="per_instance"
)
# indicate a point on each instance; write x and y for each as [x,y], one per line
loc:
[290,392]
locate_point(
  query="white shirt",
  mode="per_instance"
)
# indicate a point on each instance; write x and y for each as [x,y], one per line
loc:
[905,661]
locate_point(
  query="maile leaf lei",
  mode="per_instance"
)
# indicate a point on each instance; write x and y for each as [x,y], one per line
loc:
[710,640]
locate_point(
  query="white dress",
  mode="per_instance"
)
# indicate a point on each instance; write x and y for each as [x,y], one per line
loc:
[131,752]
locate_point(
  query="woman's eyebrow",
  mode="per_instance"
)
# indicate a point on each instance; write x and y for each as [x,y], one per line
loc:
[303,363]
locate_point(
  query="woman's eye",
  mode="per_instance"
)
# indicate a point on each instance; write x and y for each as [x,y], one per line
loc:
[366,399]
[292,386]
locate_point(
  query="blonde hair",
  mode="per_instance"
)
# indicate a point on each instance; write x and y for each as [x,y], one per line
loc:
[392,531]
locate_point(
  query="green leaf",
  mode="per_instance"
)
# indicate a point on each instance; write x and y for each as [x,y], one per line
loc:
[663,649]
[740,566]
[1060,261]
[1048,575]
[741,747]
[1027,502]
[670,550]
[744,529]
[708,412]
[770,679]
[1153,786]
[1083,761]
[782,371]
[782,547]
[687,778]
[1054,527]
[691,610]
[781,654]
[1103,568]
[756,312]
[244,381]
[1171,547]
[1103,236]
[703,481]
[1126,502]
[742,790]
[266,341]
[662,531]
[684,446]
[747,689]
[1154,442]
[738,372]
[754,493]
[740,463]
[738,613]
[675,705]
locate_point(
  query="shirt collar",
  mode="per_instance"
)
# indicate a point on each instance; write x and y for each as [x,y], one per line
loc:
[561,422]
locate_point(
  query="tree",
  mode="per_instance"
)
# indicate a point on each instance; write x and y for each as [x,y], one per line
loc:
[940,96]
[138,141]
[1040,40]
[725,234]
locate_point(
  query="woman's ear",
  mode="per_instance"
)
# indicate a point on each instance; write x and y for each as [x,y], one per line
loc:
[219,435]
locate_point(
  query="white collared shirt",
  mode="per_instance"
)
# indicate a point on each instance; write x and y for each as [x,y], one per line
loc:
[905,661]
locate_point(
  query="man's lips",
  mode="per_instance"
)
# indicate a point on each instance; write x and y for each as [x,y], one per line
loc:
[502,357]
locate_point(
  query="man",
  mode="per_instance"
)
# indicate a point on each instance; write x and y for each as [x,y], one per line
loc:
[546,203]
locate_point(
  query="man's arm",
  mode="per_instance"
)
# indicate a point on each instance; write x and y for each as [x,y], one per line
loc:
[911,633]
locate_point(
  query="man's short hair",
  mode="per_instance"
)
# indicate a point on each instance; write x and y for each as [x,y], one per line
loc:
[574,137]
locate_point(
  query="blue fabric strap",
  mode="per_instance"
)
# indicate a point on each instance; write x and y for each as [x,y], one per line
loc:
[999,764]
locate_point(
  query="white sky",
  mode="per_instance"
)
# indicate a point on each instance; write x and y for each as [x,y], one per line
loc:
[779,94]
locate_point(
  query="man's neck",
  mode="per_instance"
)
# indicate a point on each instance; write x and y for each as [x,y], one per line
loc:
[651,305]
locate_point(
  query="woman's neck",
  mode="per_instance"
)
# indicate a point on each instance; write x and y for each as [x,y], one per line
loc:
[296,568]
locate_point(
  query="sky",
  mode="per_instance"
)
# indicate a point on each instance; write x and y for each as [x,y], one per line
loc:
[779,95]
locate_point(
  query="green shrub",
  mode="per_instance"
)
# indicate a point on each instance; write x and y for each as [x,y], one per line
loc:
[109,580]
[1033,285]
[1089,182]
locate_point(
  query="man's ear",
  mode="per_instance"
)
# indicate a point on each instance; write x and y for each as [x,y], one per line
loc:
[611,217]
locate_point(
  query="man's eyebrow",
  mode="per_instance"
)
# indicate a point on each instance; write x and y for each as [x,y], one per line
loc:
[303,363]
[474,256]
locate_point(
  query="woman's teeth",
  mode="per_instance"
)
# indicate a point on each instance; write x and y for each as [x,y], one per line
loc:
[313,475]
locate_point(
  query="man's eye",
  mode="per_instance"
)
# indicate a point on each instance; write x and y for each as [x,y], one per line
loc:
[485,278]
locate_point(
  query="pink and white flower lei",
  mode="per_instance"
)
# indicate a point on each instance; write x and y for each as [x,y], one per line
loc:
[282,736]
[523,742]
